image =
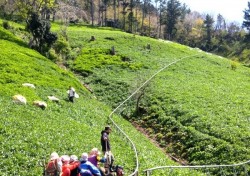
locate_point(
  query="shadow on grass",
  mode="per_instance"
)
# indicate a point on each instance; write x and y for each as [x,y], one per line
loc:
[6,35]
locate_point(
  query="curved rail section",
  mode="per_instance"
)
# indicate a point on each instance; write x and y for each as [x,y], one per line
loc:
[136,170]
[148,171]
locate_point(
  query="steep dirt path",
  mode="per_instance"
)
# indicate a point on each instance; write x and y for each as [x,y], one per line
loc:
[143,131]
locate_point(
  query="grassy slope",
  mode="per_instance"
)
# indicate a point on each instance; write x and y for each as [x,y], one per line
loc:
[29,134]
[213,101]
[199,101]
[140,63]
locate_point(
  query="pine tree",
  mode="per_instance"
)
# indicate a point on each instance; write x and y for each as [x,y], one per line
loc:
[246,22]
[208,24]
[173,12]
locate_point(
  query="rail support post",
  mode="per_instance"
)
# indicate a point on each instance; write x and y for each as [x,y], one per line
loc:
[147,173]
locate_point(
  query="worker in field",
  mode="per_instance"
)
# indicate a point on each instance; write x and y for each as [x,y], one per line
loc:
[71,94]
[106,148]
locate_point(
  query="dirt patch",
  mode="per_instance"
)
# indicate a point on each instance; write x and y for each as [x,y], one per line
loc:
[143,131]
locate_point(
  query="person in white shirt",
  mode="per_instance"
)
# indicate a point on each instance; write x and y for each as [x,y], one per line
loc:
[71,94]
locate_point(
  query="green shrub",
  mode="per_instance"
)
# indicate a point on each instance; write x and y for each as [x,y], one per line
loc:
[245,55]
[6,25]
[159,136]
[61,47]
[52,55]
[234,65]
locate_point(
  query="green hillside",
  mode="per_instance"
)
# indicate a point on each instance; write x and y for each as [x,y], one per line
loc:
[197,109]
[29,134]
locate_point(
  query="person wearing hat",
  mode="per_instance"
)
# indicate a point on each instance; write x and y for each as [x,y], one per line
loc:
[95,157]
[105,139]
[106,148]
[71,94]
[54,166]
[73,161]
[67,167]
[87,168]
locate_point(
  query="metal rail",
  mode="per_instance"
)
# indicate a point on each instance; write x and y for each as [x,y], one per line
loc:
[136,170]
[148,171]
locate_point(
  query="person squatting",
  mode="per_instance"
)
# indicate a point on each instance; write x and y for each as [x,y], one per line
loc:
[88,164]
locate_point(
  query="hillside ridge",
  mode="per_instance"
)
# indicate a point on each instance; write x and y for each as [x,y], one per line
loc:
[187,108]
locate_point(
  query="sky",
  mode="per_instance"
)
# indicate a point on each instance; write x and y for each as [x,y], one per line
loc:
[231,10]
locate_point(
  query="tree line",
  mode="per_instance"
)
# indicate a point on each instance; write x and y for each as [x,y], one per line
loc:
[166,19]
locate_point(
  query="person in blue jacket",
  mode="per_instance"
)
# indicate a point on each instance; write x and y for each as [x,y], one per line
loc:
[86,168]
